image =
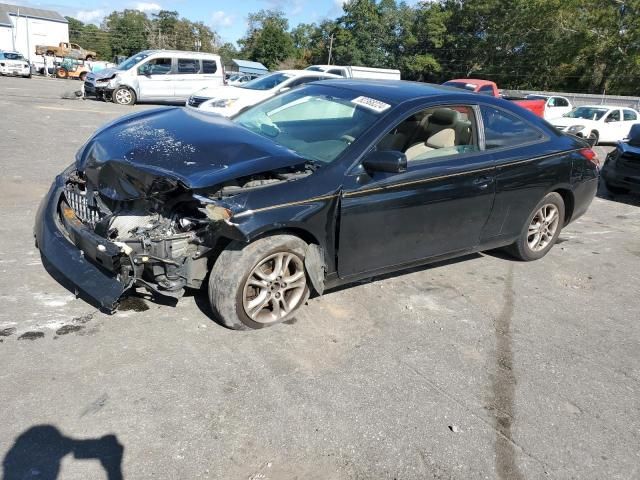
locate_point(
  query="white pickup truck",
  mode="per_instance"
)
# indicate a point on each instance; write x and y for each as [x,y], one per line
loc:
[358,72]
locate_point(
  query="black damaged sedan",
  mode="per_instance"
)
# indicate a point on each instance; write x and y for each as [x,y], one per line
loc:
[317,187]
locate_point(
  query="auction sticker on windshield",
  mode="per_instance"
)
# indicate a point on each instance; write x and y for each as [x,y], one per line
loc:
[371,104]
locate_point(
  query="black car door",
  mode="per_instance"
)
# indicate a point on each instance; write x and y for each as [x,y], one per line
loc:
[439,205]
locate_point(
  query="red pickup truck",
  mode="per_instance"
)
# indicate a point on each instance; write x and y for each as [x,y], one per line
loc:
[487,87]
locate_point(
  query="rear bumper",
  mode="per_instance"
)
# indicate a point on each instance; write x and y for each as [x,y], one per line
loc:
[583,195]
[96,284]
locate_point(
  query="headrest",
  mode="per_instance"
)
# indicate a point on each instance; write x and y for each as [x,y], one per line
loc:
[443,139]
[443,116]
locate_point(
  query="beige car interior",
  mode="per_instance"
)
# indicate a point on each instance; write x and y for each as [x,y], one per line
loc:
[432,133]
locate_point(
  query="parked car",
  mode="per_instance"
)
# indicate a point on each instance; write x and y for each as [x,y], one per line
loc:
[395,173]
[13,63]
[240,78]
[555,106]
[621,170]
[156,75]
[229,100]
[487,87]
[598,123]
[65,49]
[357,72]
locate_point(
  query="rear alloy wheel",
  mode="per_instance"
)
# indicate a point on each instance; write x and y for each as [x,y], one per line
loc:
[123,96]
[260,284]
[541,230]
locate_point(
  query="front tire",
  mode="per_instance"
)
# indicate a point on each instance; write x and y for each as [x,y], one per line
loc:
[541,230]
[123,96]
[593,138]
[260,284]
[62,73]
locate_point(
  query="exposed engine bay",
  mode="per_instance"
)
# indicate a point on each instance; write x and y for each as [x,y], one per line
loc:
[160,241]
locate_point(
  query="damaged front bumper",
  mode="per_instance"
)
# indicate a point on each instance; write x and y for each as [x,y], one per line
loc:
[57,247]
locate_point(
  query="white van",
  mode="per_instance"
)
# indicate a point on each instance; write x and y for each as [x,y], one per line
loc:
[358,72]
[156,75]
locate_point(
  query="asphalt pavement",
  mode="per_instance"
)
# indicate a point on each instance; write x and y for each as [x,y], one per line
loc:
[478,368]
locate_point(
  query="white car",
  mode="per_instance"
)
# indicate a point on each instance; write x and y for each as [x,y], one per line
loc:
[13,63]
[229,100]
[554,107]
[598,123]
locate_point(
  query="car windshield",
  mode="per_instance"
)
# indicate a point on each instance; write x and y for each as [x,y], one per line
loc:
[267,82]
[316,122]
[13,56]
[131,61]
[588,113]
[464,86]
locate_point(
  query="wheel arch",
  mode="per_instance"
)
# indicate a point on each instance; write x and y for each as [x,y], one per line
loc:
[569,202]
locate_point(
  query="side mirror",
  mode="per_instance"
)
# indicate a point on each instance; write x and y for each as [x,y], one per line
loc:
[144,70]
[391,161]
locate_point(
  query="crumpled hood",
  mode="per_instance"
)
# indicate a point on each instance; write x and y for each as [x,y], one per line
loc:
[105,73]
[154,151]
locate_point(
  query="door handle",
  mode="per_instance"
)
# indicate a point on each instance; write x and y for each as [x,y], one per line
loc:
[483,182]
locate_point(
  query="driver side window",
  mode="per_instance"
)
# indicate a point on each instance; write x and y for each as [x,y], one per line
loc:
[157,66]
[433,133]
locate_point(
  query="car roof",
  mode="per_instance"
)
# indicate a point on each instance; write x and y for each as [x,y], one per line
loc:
[476,81]
[307,73]
[397,91]
[610,107]
[178,52]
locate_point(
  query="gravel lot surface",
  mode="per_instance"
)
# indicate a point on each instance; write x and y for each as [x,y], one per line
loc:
[479,368]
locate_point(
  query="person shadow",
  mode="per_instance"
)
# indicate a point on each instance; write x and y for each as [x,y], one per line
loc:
[37,453]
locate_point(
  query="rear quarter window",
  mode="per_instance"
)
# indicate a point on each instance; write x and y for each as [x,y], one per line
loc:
[209,66]
[503,129]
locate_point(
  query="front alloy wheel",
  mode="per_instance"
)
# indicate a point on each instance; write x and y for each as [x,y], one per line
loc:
[123,96]
[274,288]
[259,284]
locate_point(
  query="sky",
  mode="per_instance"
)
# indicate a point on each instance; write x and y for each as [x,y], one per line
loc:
[227,18]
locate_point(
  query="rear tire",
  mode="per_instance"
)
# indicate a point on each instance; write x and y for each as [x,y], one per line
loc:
[593,138]
[260,284]
[541,230]
[62,73]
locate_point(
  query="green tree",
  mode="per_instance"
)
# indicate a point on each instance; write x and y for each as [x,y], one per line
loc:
[128,31]
[267,39]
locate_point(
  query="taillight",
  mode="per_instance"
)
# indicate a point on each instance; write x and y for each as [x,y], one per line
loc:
[590,155]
